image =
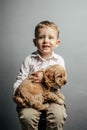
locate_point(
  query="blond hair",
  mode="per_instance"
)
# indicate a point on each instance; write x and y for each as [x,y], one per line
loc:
[46,24]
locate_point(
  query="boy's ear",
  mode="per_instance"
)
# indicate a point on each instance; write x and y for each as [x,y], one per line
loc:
[57,43]
[34,41]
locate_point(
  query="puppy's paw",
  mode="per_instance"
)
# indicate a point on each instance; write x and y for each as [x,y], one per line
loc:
[60,101]
[46,106]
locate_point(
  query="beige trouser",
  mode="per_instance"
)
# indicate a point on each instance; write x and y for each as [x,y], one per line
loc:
[55,117]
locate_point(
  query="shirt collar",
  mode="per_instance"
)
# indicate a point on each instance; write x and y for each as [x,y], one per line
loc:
[37,55]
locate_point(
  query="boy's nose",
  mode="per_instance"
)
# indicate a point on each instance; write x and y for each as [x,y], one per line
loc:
[46,39]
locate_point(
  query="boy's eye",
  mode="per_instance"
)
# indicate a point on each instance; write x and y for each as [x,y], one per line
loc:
[51,37]
[40,37]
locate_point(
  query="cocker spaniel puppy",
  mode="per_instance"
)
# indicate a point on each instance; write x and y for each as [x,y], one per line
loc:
[32,93]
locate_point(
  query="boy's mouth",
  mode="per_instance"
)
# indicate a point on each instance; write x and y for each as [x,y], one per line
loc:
[45,46]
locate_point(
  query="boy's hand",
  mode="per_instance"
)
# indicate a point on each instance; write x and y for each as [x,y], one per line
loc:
[36,76]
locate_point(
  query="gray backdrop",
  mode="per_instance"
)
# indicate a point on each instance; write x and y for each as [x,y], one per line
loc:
[17,21]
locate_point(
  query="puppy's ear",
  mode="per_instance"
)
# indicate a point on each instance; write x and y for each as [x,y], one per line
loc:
[49,78]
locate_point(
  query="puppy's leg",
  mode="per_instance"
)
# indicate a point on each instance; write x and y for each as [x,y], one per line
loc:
[40,106]
[58,93]
[38,102]
[19,101]
[52,97]
[35,101]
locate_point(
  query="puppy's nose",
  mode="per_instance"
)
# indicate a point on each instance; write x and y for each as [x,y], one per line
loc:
[65,82]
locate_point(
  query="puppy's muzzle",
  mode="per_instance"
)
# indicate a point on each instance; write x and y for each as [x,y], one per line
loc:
[64,82]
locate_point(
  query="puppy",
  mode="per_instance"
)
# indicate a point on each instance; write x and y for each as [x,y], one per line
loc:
[32,93]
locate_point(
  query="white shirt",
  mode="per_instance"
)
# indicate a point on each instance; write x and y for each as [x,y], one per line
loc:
[35,62]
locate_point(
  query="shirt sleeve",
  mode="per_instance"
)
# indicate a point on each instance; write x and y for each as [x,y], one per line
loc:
[61,61]
[23,73]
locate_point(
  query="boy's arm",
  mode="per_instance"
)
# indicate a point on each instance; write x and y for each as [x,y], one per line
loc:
[23,73]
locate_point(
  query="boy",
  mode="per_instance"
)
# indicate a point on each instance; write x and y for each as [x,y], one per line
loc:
[46,40]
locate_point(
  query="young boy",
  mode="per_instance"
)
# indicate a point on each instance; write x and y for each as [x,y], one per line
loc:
[46,40]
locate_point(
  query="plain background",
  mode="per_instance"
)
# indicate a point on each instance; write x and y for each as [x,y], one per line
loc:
[17,21]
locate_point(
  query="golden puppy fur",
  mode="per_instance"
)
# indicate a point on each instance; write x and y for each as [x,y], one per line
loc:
[32,93]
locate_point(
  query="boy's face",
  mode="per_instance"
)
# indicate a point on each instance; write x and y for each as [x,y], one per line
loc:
[46,41]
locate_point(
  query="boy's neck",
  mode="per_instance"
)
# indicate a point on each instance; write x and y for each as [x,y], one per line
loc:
[45,56]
